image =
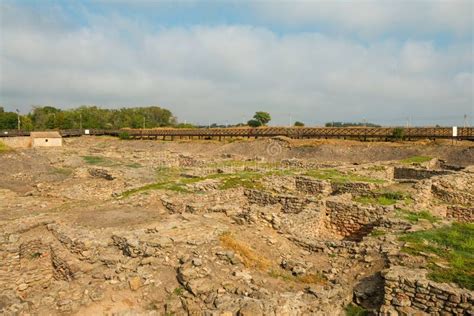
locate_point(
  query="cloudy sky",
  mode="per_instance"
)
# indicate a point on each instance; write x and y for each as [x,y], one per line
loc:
[313,61]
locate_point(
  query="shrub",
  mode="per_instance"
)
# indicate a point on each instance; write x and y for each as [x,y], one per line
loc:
[298,123]
[124,135]
[398,133]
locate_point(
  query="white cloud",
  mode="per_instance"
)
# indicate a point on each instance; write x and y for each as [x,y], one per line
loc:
[374,17]
[226,72]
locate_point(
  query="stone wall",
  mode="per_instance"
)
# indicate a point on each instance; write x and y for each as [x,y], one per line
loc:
[451,196]
[409,292]
[310,185]
[460,213]
[406,173]
[313,186]
[352,220]
[17,142]
[289,203]
[356,188]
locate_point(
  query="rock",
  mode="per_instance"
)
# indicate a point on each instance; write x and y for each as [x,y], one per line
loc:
[135,283]
[22,287]
[251,308]
[197,262]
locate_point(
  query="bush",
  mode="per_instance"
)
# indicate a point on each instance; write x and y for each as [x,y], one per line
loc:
[124,135]
[398,133]
[298,123]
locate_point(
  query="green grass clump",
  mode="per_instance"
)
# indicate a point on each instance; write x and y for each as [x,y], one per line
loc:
[453,247]
[309,278]
[246,179]
[178,291]
[334,175]
[100,161]
[355,310]
[4,148]
[384,198]
[416,159]
[414,217]
[62,171]
[166,179]
[377,233]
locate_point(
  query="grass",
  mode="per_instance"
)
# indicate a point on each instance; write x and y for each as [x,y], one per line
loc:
[62,171]
[384,198]
[4,148]
[377,233]
[453,247]
[334,175]
[414,217]
[35,255]
[250,258]
[178,291]
[377,168]
[355,310]
[97,160]
[170,179]
[416,160]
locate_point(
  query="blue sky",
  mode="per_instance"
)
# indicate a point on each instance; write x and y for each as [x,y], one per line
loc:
[313,61]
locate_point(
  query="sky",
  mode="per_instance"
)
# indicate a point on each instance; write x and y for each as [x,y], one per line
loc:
[387,62]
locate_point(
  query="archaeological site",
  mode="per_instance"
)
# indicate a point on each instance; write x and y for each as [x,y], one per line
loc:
[268,226]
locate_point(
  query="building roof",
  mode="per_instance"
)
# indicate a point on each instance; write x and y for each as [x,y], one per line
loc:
[52,134]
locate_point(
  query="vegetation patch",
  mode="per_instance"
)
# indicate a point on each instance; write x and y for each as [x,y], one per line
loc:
[178,291]
[377,233]
[384,198]
[355,310]
[337,176]
[62,171]
[416,160]
[124,135]
[414,217]
[250,258]
[167,179]
[4,148]
[96,160]
[453,249]
[309,278]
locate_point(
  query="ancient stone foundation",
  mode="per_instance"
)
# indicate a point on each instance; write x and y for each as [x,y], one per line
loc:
[460,213]
[289,203]
[417,174]
[351,220]
[409,292]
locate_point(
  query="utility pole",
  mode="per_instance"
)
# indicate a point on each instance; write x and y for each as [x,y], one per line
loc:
[465,120]
[290,120]
[143,122]
[18,115]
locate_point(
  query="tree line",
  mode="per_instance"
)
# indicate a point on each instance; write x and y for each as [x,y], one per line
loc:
[91,117]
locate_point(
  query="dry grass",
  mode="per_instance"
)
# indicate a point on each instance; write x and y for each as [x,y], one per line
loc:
[249,257]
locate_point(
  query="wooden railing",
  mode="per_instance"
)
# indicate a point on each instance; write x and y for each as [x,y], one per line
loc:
[292,132]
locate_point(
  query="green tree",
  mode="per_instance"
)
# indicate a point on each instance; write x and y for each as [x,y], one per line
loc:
[262,117]
[8,120]
[254,123]
[298,123]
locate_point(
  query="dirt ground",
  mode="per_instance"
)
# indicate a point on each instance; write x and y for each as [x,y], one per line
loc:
[247,227]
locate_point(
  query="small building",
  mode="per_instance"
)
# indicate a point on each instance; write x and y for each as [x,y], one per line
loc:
[46,139]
